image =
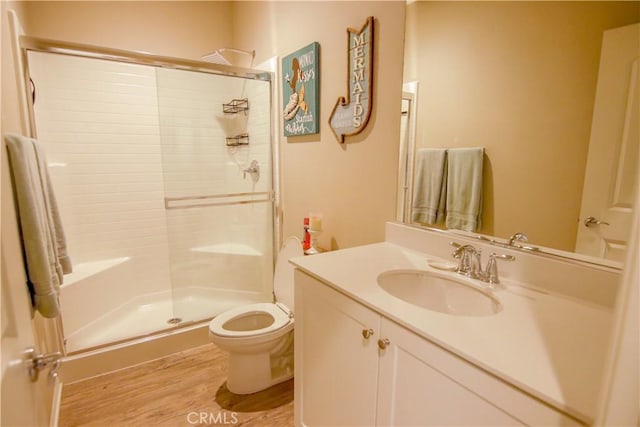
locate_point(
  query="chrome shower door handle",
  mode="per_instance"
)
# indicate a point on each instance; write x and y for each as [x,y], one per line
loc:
[589,221]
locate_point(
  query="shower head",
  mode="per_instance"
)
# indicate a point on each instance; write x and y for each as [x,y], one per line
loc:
[218,58]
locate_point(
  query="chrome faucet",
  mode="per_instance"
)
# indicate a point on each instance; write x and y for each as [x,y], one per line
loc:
[469,257]
[518,237]
[470,264]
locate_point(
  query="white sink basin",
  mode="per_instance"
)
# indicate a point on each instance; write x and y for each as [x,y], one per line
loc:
[439,292]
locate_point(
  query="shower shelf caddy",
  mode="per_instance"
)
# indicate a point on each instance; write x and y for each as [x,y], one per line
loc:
[234,141]
[234,107]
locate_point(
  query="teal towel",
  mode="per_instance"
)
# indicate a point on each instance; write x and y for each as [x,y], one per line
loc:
[464,188]
[43,239]
[429,191]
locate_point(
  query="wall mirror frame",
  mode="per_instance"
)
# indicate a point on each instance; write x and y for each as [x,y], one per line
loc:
[520,79]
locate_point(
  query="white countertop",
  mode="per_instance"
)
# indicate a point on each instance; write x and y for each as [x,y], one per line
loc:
[551,346]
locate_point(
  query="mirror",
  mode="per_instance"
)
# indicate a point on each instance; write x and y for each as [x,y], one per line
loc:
[519,79]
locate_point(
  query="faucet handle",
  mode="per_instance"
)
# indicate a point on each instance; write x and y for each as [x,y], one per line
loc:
[253,169]
[503,257]
[457,251]
[492,267]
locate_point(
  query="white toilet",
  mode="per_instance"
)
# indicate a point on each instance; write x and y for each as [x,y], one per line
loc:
[259,337]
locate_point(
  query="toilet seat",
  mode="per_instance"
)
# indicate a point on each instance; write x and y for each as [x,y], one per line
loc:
[281,312]
[280,320]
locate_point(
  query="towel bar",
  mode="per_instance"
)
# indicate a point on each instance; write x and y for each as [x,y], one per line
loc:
[176,202]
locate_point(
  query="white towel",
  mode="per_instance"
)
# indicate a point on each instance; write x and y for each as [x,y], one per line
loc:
[464,188]
[43,238]
[430,187]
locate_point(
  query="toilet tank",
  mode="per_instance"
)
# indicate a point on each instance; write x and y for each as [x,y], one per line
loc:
[283,276]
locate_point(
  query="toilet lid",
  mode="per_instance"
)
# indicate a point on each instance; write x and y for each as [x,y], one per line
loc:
[283,276]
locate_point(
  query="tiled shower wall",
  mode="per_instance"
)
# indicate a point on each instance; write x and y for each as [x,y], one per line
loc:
[120,137]
[98,122]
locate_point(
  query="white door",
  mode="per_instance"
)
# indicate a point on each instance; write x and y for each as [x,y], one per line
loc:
[403,178]
[408,125]
[611,176]
[24,402]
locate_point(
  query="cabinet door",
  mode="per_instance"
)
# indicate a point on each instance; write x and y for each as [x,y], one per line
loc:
[335,366]
[412,392]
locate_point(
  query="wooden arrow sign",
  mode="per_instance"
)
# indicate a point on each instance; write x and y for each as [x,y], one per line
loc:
[350,115]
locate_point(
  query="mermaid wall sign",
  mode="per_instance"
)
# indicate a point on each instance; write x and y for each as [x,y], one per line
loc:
[300,91]
[351,114]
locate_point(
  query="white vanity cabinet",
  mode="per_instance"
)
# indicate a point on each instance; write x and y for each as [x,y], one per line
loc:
[414,391]
[344,378]
[336,367]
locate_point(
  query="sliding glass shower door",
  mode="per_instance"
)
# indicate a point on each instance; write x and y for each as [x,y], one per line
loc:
[217,167]
[164,183]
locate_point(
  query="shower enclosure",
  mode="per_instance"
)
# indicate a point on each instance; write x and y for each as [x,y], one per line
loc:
[163,172]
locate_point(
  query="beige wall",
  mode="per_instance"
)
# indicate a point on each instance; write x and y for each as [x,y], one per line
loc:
[186,29]
[519,79]
[353,185]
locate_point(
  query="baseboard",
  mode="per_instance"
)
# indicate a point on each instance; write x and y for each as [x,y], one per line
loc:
[82,366]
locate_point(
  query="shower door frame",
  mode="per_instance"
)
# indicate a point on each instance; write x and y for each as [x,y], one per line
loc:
[35,44]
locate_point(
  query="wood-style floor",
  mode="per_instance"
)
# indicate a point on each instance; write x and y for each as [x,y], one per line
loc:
[184,389]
